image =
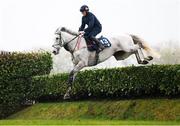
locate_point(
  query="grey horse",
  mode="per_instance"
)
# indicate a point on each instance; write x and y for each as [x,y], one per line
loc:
[121,48]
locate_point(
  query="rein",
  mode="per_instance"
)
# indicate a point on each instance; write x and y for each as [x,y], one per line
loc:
[77,44]
[70,40]
[66,43]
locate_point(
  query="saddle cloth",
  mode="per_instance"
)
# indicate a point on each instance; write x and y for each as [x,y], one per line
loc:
[92,46]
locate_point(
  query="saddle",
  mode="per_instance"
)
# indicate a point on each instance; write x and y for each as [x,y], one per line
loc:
[92,46]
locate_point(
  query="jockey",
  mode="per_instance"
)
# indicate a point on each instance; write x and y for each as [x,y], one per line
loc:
[94,26]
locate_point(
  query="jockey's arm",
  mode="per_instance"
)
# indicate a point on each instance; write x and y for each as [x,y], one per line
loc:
[82,25]
[91,24]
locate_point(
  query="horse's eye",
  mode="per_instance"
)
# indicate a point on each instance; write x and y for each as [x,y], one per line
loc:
[57,38]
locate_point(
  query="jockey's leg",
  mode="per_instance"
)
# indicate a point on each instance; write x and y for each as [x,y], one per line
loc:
[92,36]
[88,40]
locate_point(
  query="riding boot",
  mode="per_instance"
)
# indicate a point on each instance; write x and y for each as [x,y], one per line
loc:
[101,47]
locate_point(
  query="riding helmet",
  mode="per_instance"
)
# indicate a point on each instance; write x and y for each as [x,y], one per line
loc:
[84,8]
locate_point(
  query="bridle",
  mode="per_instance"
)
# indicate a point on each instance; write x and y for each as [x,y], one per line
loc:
[65,43]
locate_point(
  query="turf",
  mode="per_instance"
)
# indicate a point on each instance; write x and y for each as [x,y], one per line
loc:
[86,122]
[139,109]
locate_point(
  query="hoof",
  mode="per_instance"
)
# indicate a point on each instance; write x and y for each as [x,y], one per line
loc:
[148,58]
[143,62]
[67,96]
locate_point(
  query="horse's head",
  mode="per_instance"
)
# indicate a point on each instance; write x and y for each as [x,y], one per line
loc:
[58,41]
[62,40]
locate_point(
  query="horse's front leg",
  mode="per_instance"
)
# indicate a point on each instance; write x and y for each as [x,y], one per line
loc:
[72,76]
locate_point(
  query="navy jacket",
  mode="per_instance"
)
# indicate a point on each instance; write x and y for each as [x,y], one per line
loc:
[92,22]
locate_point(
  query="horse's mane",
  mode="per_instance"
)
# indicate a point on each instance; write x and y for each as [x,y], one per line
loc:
[64,29]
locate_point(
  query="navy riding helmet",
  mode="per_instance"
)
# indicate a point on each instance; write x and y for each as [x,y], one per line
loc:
[84,8]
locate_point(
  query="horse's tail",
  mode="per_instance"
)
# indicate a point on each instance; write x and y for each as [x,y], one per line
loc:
[144,45]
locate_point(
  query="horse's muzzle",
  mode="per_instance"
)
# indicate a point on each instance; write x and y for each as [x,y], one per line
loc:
[55,51]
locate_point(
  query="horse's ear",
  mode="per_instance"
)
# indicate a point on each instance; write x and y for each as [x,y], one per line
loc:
[57,31]
[63,29]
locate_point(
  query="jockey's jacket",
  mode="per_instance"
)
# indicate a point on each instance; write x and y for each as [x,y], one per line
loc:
[92,22]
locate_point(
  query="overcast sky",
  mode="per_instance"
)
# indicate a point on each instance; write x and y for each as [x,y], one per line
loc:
[28,24]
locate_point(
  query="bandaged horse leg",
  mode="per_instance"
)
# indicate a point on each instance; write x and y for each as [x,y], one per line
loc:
[138,57]
[137,50]
[134,50]
[142,54]
[72,76]
[146,58]
[145,47]
[142,60]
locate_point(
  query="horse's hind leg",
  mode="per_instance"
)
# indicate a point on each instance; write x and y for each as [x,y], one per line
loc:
[136,49]
[145,58]
[143,45]
[139,59]
[72,76]
[148,58]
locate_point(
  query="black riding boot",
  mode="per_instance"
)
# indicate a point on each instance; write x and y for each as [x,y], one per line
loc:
[101,47]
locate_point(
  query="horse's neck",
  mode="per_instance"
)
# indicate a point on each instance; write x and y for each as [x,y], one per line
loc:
[73,43]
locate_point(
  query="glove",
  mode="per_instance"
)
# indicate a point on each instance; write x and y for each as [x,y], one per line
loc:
[81,32]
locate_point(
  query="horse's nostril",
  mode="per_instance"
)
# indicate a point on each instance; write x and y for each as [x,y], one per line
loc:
[54,52]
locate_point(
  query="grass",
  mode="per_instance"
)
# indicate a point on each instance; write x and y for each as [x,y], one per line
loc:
[140,109]
[102,112]
[86,122]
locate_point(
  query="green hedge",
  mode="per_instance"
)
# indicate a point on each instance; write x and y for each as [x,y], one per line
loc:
[18,84]
[154,80]
[16,71]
